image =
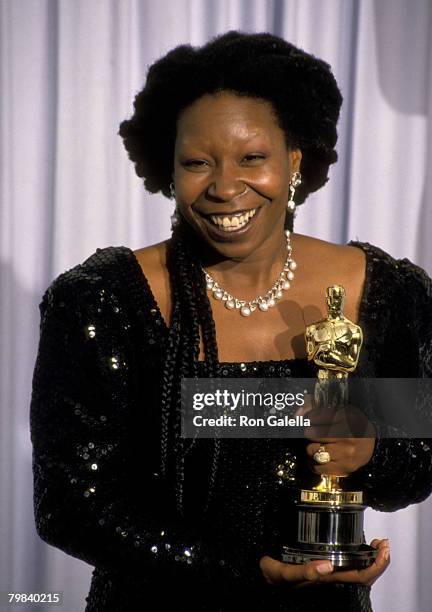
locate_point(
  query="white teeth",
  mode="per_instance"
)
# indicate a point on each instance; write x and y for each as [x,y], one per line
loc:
[233,221]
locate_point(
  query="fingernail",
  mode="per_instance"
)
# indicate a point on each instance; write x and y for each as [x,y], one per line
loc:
[386,554]
[324,568]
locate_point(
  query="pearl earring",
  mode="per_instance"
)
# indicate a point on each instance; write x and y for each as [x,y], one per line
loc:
[294,183]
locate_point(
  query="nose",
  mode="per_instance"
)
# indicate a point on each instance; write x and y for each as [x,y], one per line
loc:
[226,185]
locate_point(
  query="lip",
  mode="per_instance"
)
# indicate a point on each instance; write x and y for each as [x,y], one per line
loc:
[217,233]
[219,213]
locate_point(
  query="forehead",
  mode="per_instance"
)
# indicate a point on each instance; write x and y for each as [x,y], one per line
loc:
[226,115]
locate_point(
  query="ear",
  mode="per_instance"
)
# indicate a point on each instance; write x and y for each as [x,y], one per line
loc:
[296,157]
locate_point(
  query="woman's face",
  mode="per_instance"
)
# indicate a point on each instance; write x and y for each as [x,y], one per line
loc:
[231,157]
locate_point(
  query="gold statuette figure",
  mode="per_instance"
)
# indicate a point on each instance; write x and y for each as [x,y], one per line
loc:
[330,520]
[334,342]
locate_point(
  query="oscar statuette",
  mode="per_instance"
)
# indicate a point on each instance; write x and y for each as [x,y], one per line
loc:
[330,519]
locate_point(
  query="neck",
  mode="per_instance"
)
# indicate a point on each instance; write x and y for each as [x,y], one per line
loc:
[253,274]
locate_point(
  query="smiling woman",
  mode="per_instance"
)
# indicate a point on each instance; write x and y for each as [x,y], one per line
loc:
[238,132]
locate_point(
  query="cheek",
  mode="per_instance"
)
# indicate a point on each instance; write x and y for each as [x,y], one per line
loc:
[189,185]
[270,183]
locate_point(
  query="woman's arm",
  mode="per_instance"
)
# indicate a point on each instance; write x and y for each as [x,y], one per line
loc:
[83,502]
[400,470]
[398,474]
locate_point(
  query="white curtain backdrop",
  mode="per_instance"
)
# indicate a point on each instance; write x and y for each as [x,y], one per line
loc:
[69,70]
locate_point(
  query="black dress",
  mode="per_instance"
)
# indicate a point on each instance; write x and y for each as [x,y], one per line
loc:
[95,431]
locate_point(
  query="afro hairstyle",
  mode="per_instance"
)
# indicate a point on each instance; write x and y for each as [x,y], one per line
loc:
[301,88]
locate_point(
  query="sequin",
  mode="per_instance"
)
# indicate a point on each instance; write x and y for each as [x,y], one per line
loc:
[114,363]
[91,331]
[100,394]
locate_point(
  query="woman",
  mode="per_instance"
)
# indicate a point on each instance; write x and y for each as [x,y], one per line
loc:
[238,132]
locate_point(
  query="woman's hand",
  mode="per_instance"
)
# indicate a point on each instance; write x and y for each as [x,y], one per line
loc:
[332,429]
[346,454]
[276,572]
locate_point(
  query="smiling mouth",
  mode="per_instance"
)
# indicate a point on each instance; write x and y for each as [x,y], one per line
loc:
[231,223]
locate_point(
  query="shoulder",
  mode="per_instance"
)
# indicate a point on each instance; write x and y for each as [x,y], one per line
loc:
[418,288]
[152,258]
[403,269]
[101,311]
[400,284]
[83,282]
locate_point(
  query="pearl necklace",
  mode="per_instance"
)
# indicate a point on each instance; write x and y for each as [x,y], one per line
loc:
[263,302]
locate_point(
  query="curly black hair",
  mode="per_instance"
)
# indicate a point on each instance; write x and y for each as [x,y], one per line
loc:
[306,102]
[300,87]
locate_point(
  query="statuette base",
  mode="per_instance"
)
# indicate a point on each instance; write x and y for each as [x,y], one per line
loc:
[342,559]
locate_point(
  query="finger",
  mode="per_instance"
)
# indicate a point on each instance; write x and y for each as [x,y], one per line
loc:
[310,572]
[339,464]
[380,564]
[369,574]
[313,447]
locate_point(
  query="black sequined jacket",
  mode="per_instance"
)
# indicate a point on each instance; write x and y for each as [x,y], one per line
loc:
[95,435]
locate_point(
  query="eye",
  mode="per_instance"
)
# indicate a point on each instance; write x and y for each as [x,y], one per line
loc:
[254,157]
[195,163]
